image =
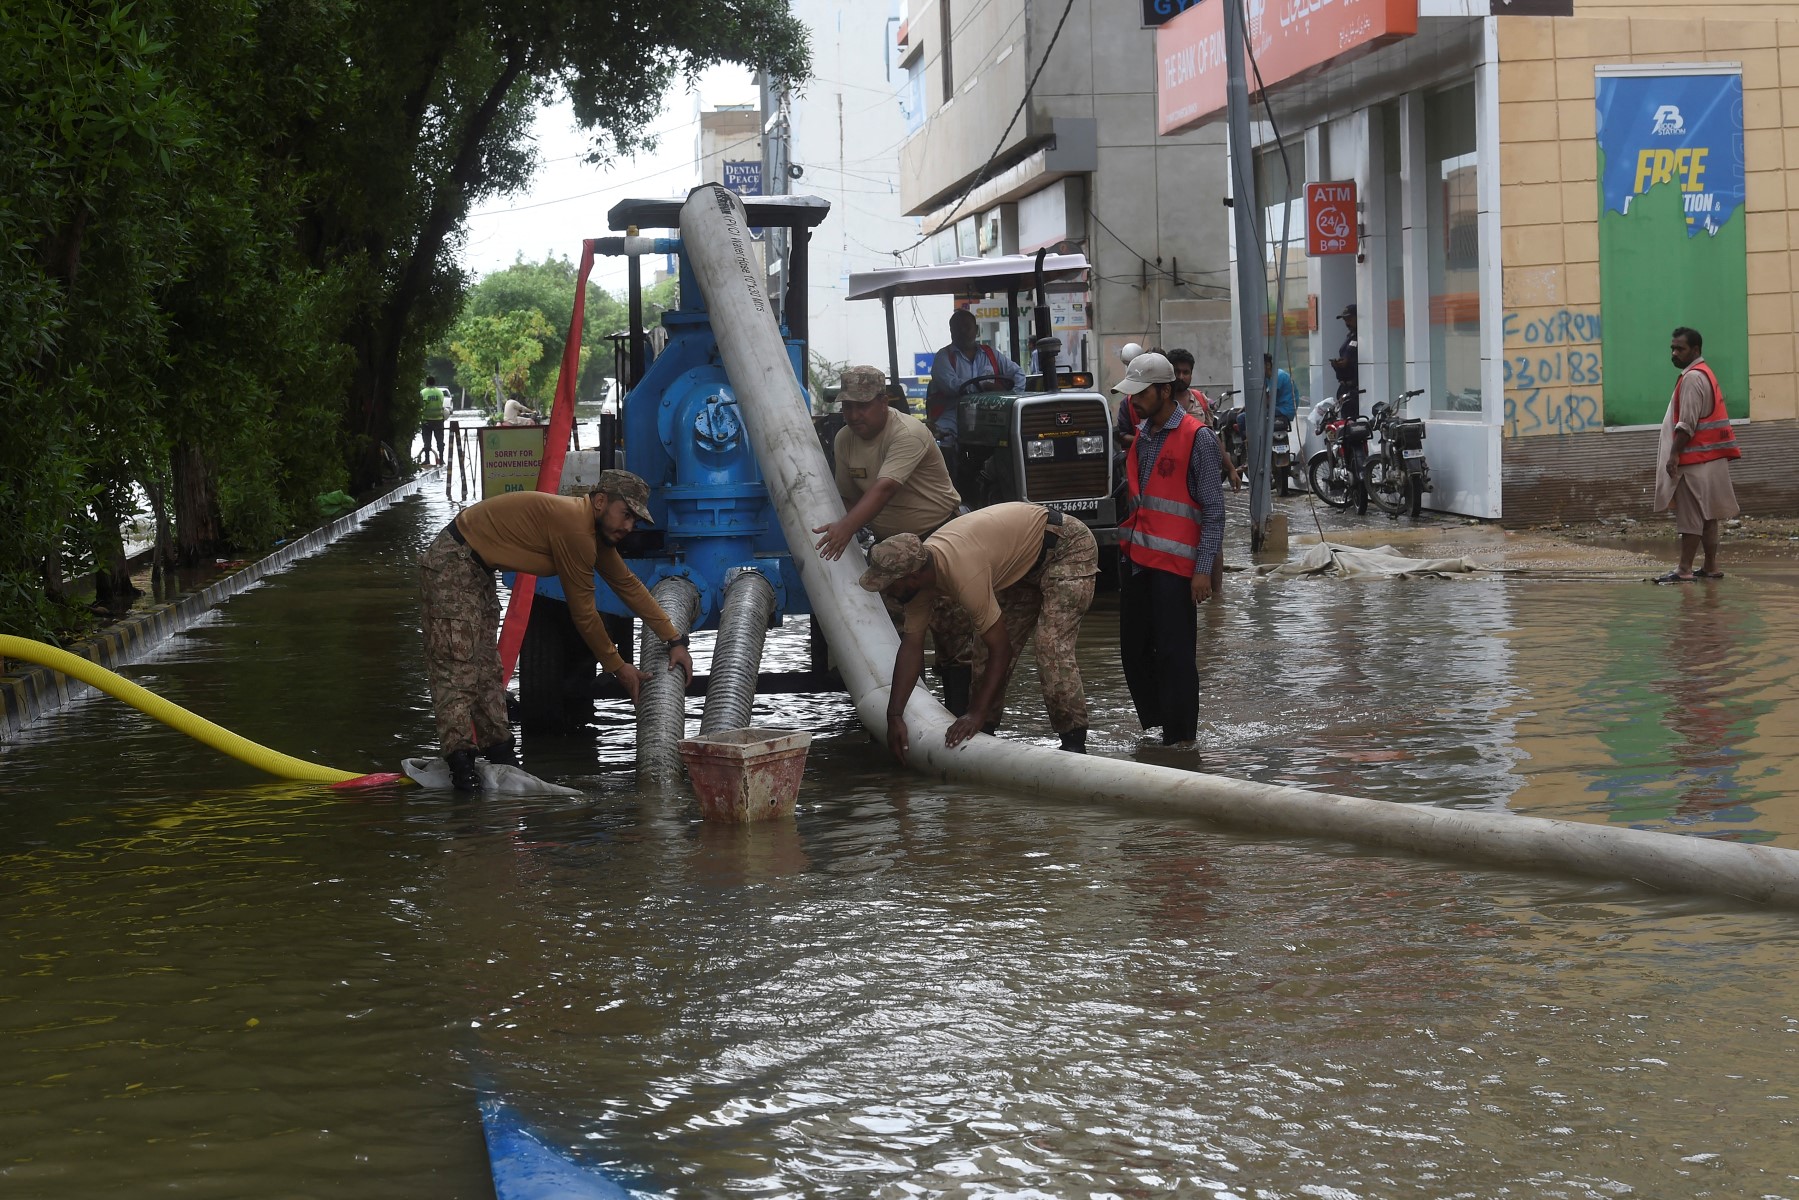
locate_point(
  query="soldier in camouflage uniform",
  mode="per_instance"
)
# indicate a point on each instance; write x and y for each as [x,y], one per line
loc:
[1016,569]
[461,615]
[572,537]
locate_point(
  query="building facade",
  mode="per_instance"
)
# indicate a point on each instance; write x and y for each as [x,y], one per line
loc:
[1081,168]
[1545,189]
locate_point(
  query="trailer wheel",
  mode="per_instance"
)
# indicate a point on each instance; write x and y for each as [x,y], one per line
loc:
[555,671]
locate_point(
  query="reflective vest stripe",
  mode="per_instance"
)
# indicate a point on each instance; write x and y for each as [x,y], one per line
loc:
[1149,542]
[1163,529]
[1713,439]
[1174,508]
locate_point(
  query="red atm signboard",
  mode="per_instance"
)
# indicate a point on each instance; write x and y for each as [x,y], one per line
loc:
[1331,226]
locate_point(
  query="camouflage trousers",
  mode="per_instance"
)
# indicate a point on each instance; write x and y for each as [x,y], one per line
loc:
[1050,602]
[462,654]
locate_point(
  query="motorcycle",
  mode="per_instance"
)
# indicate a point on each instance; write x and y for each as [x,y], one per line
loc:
[1399,476]
[1339,472]
[1280,454]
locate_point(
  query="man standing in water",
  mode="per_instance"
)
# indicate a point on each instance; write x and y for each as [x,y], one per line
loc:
[1017,568]
[893,480]
[434,410]
[536,533]
[1168,548]
[1693,460]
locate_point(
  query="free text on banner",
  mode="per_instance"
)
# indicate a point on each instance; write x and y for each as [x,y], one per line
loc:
[1672,244]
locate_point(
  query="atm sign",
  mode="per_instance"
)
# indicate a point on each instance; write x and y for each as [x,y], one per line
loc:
[1331,221]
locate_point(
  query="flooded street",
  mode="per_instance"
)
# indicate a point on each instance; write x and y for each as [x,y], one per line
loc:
[223,986]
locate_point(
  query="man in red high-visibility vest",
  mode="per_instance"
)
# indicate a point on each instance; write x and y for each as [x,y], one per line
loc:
[1693,460]
[1167,548]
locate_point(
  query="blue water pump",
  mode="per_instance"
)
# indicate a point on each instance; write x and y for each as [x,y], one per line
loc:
[682,430]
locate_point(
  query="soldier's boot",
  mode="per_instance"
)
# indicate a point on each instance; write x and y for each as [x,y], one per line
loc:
[500,754]
[958,678]
[463,776]
[1075,740]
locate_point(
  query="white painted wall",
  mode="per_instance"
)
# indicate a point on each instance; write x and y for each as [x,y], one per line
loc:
[847,129]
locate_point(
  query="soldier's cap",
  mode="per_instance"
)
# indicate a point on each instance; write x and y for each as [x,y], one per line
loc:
[861,384]
[1145,369]
[1348,311]
[893,559]
[623,485]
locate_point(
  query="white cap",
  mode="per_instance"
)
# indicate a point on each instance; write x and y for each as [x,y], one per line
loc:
[1144,370]
[1131,350]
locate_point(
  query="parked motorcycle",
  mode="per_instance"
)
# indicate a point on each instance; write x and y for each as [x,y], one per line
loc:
[1224,424]
[1398,475]
[1339,472]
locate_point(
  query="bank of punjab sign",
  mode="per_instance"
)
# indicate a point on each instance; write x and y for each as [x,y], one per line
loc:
[1331,226]
[1289,38]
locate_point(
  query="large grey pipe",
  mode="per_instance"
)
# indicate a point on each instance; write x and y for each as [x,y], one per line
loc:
[863,641]
[748,603]
[662,700]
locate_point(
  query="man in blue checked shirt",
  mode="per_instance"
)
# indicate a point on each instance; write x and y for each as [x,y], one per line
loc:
[1167,549]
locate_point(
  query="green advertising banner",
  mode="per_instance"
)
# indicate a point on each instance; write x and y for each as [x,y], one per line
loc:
[1672,248]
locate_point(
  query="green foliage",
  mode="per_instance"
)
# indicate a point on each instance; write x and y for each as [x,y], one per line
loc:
[507,344]
[228,235]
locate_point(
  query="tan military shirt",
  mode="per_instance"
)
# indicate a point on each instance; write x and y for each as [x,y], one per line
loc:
[905,453]
[542,534]
[977,556]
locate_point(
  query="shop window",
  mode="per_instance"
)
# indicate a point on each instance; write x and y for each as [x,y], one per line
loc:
[1452,201]
[1393,241]
[1282,198]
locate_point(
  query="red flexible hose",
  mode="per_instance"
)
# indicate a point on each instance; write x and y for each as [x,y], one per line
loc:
[549,476]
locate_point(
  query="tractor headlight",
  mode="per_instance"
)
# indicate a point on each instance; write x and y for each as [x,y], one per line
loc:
[1090,443]
[1039,448]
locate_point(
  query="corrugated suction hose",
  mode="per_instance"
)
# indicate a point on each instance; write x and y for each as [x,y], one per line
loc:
[662,701]
[737,654]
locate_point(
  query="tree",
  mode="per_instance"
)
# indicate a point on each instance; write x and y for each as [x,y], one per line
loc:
[506,345]
[548,288]
[227,237]
[437,122]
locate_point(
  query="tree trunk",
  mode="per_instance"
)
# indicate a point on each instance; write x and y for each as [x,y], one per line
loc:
[162,557]
[113,589]
[197,524]
[381,359]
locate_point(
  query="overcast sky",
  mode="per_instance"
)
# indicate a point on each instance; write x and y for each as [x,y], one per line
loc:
[568,199]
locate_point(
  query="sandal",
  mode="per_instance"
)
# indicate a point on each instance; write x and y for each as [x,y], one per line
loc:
[1708,574]
[1674,577]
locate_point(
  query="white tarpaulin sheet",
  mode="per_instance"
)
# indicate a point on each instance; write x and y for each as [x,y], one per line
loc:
[1382,562]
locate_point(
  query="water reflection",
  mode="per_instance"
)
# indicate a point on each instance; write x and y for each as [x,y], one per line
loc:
[230,988]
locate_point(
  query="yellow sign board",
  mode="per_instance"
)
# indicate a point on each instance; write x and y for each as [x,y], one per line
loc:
[511,456]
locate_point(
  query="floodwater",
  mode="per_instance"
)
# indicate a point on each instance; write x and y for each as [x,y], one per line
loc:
[220,986]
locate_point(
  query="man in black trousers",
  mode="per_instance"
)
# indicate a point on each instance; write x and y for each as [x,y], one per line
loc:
[1166,549]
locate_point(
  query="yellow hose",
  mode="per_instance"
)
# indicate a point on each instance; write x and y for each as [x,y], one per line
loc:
[172,715]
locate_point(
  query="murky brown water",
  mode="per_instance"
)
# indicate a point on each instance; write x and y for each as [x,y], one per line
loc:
[226,987]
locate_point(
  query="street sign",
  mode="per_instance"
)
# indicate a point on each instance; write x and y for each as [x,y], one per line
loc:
[744,178]
[510,457]
[1331,218]
[921,364]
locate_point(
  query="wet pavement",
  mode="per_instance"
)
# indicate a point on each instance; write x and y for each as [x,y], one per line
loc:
[225,986]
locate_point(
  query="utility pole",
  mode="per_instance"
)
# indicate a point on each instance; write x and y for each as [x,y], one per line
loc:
[1252,273]
[777,156]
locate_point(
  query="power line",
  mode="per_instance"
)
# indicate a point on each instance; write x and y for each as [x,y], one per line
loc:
[980,176]
[614,186]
